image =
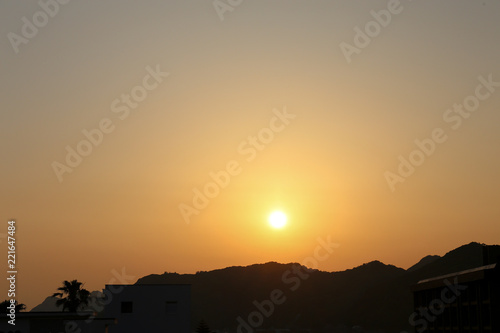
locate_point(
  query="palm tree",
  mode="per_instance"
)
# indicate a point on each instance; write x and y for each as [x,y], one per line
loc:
[203,327]
[76,296]
[5,304]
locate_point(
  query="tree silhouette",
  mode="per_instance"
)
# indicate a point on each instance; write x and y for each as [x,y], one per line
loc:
[203,327]
[5,304]
[75,296]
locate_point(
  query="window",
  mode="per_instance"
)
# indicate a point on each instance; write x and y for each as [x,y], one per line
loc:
[171,307]
[127,307]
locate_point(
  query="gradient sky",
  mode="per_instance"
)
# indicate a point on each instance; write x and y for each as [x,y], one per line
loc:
[119,208]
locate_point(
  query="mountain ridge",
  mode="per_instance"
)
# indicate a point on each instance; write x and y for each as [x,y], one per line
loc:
[374,295]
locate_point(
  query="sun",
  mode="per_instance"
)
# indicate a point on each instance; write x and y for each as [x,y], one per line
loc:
[277,219]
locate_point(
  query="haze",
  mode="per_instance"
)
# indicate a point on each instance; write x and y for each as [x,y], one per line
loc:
[265,104]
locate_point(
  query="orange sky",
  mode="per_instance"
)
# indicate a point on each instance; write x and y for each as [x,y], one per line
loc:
[269,90]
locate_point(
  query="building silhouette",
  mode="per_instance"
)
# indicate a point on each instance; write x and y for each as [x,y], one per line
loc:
[466,301]
[149,308]
[126,309]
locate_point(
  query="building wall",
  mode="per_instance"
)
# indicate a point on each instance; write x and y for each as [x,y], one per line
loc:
[50,324]
[476,309]
[149,308]
[21,326]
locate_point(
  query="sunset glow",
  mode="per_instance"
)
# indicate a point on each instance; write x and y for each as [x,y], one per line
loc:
[184,136]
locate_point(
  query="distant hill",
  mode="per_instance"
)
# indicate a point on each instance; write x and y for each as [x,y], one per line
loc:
[374,296]
[49,304]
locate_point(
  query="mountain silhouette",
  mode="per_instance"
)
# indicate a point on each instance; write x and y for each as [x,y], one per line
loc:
[373,297]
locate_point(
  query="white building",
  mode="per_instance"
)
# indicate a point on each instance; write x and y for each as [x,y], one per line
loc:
[127,308]
[149,308]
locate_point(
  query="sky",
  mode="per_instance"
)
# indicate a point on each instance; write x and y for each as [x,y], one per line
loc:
[153,136]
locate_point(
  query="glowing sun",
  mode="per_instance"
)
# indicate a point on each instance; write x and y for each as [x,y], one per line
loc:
[277,219]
